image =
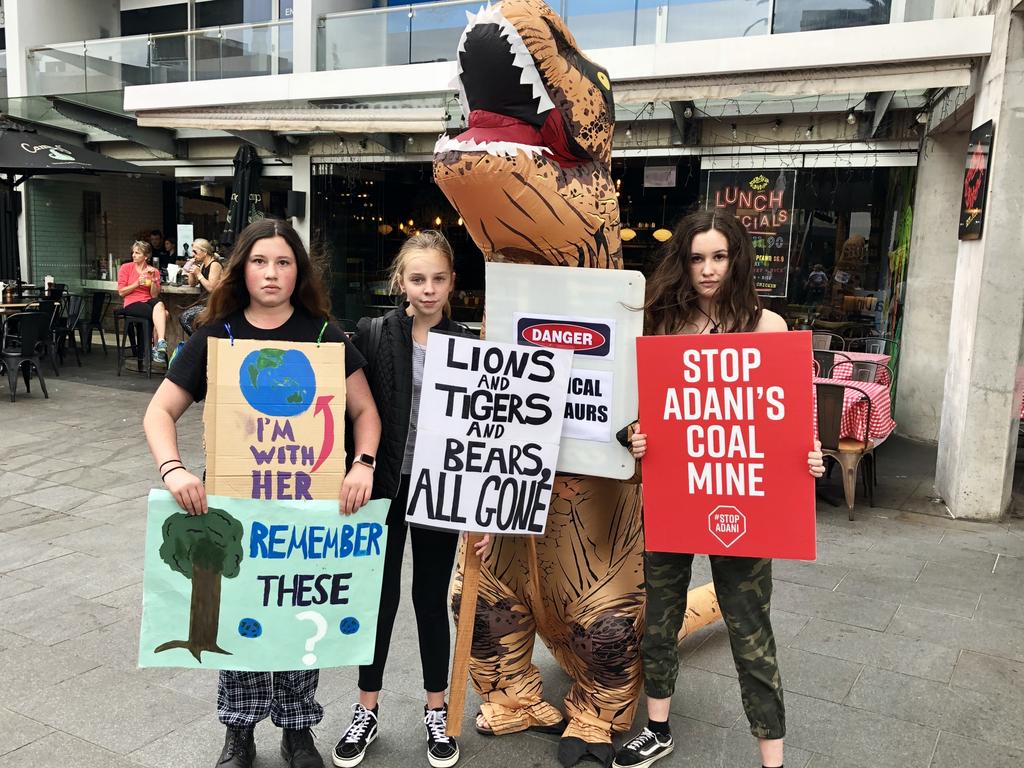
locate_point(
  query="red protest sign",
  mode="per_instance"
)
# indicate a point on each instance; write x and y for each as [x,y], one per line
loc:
[729,422]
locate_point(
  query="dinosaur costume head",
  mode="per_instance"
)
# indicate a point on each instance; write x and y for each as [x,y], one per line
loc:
[531,176]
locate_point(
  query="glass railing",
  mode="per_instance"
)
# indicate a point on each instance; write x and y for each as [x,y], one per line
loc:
[242,50]
[411,34]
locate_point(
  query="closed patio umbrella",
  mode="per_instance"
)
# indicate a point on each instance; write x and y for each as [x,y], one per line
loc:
[244,206]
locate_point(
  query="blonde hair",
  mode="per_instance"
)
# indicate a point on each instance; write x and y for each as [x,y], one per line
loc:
[145,247]
[205,246]
[427,240]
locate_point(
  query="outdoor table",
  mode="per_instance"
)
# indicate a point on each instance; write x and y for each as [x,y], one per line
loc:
[843,369]
[176,298]
[855,409]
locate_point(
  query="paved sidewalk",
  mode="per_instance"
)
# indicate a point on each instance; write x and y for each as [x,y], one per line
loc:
[901,646]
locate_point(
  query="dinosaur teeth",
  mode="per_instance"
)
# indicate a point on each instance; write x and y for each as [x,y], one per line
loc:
[521,57]
[494,148]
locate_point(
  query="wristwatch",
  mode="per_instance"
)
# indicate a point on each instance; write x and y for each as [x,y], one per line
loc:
[367,459]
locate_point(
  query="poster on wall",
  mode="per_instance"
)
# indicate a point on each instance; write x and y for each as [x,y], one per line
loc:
[728,425]
[972,199]
[763,202]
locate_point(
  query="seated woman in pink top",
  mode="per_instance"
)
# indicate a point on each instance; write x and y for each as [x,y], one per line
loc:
[139,285]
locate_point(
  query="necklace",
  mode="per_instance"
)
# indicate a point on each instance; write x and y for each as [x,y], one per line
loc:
[711,322]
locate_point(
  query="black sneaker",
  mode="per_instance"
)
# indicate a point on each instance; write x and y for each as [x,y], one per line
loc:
[360,734]
[643,750]
[299,750]
[239,749]
[442,751]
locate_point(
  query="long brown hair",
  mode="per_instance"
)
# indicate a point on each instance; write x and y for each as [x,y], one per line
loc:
[231,295]
[671,298]
[427,240]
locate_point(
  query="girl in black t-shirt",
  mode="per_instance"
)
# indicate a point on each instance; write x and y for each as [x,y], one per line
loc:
[268,291]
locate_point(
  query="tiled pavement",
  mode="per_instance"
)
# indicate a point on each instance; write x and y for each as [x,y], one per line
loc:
[900,646]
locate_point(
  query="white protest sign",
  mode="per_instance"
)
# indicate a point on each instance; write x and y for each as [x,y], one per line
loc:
[594,313]
[487,436]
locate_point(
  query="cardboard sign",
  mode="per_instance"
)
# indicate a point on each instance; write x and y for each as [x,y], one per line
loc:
[590,312]
[729,419]
[261,586]
[275,420]
[487,436]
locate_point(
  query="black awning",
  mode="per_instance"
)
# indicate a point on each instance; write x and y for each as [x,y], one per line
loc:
[25,153]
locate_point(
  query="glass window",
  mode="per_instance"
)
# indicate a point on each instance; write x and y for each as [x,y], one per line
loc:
[809,15]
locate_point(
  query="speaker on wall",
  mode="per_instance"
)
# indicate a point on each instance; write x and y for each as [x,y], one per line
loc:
[296,206]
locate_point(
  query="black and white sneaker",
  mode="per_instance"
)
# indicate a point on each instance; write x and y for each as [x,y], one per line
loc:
[351,750]
[442,751]
[643,750]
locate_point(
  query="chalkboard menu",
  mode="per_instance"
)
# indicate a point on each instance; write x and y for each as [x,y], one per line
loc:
[763,202]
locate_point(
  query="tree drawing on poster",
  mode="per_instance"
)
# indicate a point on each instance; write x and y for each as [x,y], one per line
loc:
[204,549]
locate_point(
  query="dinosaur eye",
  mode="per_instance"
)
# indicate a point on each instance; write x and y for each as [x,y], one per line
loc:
[603,79]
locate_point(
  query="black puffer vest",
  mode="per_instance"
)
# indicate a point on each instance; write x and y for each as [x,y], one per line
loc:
[389,372]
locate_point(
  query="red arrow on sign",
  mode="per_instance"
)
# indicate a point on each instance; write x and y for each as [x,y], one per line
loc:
[323,405]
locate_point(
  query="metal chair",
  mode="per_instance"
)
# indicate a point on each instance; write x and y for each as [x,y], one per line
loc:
[827,340]
[23,354]
[875,345]
[827,361]
[64,330]
[849,453]
[99,303]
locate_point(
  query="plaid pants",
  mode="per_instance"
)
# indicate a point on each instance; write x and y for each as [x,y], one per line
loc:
[245,698]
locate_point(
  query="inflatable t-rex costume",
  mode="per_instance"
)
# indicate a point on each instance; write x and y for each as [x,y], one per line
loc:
[531,178]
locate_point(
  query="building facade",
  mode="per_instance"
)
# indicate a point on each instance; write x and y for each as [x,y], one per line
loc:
[861,111]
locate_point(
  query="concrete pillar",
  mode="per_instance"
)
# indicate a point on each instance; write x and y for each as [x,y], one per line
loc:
[929,297]
[977,436]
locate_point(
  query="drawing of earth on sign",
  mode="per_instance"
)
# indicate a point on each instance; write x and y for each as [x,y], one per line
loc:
[277,382]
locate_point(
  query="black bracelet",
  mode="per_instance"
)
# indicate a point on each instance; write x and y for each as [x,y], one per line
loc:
[165,474]
[168,462]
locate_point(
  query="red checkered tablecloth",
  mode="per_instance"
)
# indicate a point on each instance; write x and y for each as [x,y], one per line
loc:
[855,409]
[844,370]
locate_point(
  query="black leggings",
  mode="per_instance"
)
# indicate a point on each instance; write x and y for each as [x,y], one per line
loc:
[433,555]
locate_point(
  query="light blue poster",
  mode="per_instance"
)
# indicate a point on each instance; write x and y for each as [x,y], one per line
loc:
[261,585]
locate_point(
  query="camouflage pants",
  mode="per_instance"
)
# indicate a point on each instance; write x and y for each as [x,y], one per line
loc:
[744,589]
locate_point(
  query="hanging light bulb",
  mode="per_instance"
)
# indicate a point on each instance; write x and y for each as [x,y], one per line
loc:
[437,222]
[776,125]
[688,112]
[733,126]
[629,132]
[851,118]
[461,223]
[809,132]
[411,222]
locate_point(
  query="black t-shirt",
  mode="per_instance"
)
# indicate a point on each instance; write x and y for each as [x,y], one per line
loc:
[188,370]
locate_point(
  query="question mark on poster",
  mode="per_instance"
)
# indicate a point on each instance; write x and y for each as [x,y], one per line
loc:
[321,629]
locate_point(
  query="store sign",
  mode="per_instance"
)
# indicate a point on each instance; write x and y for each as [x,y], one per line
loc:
[729,422]
[972,200]
[763,202]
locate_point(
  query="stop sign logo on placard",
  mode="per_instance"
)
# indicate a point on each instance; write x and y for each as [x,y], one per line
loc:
[727,524]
